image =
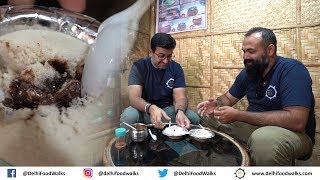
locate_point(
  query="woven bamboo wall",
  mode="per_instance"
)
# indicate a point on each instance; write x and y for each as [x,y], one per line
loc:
[212,58]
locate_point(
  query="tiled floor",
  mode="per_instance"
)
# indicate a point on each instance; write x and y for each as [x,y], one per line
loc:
[314,160]
[3,163]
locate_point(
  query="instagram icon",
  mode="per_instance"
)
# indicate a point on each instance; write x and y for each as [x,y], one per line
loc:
[87,172]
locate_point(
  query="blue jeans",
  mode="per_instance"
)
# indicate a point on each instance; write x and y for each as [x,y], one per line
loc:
[131,115]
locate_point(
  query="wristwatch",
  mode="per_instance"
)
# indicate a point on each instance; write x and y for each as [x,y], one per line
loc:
[179,110]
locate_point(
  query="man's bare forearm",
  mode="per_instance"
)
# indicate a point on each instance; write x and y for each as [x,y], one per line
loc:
[282,118]
[181,103]
[223,100]
[138,103]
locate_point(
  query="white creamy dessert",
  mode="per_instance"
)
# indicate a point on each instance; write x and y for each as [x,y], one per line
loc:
[175,130]
[201,133]
[46,133]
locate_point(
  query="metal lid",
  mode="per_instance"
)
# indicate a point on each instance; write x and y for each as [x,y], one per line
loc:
[34,17]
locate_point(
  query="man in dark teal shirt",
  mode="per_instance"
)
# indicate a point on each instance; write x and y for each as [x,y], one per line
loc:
[157,86]
[279,123]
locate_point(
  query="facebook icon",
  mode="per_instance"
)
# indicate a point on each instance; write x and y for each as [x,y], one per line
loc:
[11,173]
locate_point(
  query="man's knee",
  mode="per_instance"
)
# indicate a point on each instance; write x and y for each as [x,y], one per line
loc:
[268,147]
[193,117]
[130,115]
[209,122]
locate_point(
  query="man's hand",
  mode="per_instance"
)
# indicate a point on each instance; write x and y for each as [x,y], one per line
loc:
[182,120]
[156,115]
[226,114]
[207,108]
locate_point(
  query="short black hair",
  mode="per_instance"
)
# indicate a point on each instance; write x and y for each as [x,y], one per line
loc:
[268,37]
[162,40]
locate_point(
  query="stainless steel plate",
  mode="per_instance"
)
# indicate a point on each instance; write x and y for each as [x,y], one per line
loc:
[176,132]
[201,134]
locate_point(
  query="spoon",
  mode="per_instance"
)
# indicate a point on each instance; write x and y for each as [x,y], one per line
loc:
[129,125]
[154,137]
[202,126]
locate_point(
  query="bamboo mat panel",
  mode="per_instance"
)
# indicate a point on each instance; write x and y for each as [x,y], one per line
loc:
[315,75]
[287,43]
[222,80]
[239,15]
[197,95]
[226,52]
[310,45]
[194,57]
[310,11]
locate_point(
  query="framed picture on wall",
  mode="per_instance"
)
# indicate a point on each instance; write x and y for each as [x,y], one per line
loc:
[175,16]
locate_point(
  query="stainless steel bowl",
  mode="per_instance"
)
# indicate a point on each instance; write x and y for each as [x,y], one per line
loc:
[201,134]
[140,134]
[13,18]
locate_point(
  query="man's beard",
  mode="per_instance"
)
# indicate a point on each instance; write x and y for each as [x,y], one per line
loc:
[256,67]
